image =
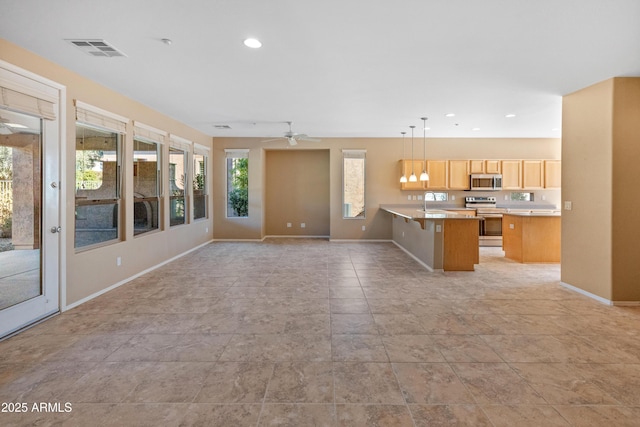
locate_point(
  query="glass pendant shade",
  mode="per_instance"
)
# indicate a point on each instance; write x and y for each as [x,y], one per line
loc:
[424,176]
[403,179]
[413,178]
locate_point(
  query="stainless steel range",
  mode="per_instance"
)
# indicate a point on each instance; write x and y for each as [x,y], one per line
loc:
[491,225]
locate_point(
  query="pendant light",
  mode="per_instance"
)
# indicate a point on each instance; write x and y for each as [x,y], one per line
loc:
[413,177]
[424,176]
[403,178]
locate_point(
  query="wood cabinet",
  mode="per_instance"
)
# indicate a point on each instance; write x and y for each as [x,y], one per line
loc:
[531,238]
[459,174]
[532,174]
[511,174]
[476,166]
[406,169]
[438,171]
[492,166]
[552,173]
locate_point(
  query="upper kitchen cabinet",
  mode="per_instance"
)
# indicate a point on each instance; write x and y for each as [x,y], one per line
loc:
[511,174]
[438,171]
[492,166]
[532,174]
[552,173]
[406,168]
[459,174]
[476,166]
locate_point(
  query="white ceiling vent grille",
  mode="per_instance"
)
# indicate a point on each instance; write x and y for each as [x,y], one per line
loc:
[222,126]
[96,47]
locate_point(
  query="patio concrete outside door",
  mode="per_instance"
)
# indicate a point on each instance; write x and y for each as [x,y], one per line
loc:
[30,197]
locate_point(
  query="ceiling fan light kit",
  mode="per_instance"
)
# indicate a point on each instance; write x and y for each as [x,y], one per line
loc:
[293,138]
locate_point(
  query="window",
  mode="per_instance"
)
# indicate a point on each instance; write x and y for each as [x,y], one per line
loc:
[523,197]
[237,183]
[353,182]
[98,168]
[147,178]
[431,196]
[199,180]
[177,176]
[147,174]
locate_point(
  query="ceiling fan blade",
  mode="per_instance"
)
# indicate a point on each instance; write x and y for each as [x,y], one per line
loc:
[272,139]
[309,139]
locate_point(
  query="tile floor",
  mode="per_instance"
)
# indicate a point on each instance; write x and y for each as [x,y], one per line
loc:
[304,332]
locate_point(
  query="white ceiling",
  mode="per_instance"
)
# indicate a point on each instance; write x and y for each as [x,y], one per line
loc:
[343,68]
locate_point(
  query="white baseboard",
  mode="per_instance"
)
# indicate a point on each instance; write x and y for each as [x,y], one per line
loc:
[361,240]
[585,293]
[128,279]
[414,257]
[297,236]
[238,240]
[626,303]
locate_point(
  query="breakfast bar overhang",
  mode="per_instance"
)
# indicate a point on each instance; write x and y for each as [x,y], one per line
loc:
[438,239]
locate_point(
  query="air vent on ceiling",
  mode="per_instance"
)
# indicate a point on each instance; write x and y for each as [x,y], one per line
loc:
[222,126]
[96,47]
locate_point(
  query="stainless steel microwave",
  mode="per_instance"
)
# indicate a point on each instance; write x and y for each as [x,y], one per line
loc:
[485,182]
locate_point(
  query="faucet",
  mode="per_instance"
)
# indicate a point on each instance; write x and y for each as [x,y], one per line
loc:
[425,198]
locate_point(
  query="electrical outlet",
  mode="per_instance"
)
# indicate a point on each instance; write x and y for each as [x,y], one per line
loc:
[506,197]
[206,230]
[288,225]
[512,226]
[303,225]
[414,198]
[419,196]
[118,261]
[403,234]
[453,197]
[409,197]
[438,228]
[568,206]
[363,228]
[544,197]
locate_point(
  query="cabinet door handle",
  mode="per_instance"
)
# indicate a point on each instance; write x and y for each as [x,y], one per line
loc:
[56,229]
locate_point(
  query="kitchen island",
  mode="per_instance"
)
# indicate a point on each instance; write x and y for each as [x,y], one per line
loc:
[439,239]
[531,237]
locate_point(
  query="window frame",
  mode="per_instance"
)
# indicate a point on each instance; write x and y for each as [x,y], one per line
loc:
[117,200]
[158,197]
[237,153]
[200,150]
[355,154]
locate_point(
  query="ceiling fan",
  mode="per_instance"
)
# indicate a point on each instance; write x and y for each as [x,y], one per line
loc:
[293,137]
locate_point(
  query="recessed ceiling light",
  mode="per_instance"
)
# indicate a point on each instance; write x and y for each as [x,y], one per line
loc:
[509,115]
[474,129]
[253,43]
[450,115]
[167,41]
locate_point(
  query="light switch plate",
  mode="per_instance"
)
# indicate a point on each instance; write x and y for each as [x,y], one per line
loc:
[568,206]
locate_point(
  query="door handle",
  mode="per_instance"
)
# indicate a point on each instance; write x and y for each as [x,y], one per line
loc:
[56,229]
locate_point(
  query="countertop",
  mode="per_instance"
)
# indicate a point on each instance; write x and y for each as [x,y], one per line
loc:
[534,213]
[415,212]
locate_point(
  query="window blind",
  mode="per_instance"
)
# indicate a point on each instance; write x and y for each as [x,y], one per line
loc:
[148,133]
[201,149]
[100,118]
[236,153]
[354,154]
[24,103]
[181,143]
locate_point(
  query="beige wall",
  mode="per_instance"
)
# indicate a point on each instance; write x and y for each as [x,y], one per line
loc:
[625,194]
[382,178]
[600,177]
[297,191]
[92,271]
